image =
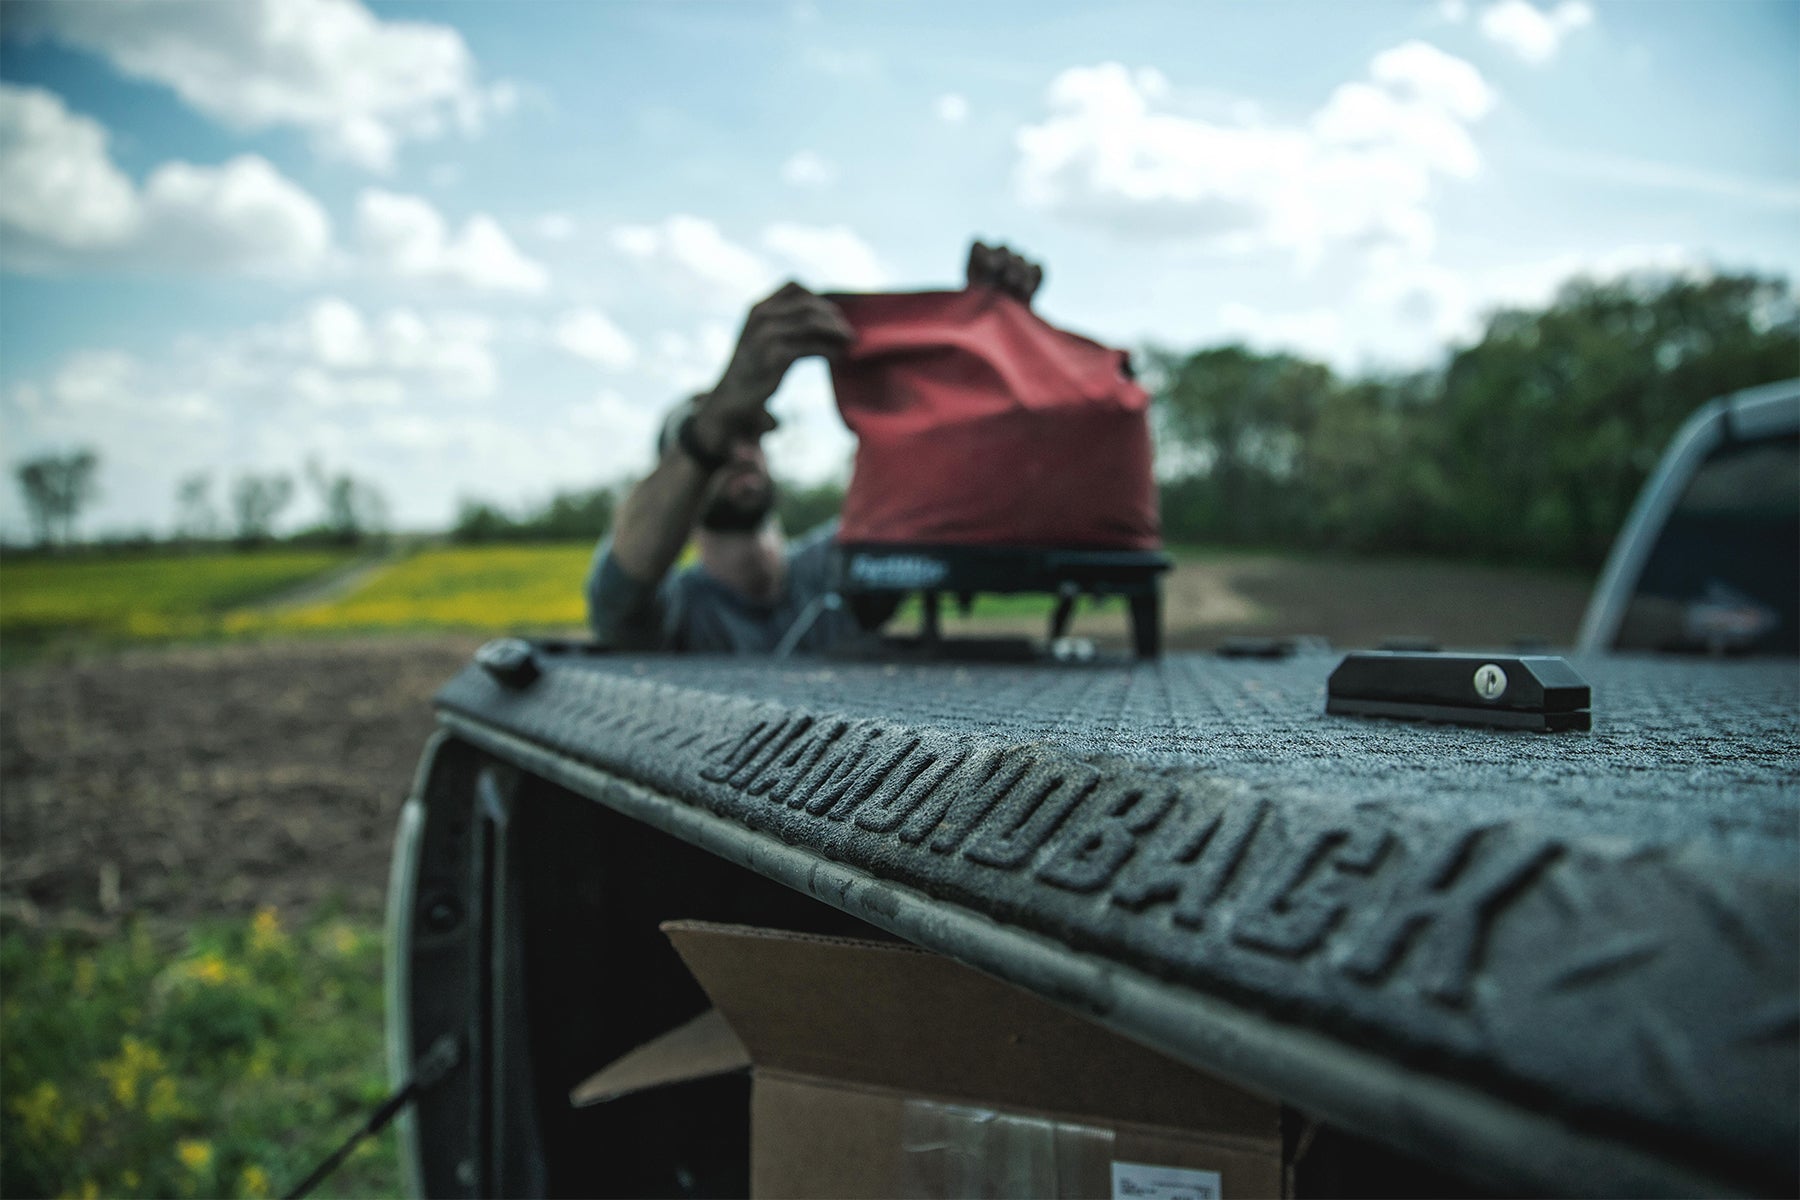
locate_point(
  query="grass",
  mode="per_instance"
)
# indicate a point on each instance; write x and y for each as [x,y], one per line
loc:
[224,1060]
[144,597]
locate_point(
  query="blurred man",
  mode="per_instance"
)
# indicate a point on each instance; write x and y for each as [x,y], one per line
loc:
[751,588]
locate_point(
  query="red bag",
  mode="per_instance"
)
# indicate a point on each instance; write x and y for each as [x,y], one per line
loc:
[980,424]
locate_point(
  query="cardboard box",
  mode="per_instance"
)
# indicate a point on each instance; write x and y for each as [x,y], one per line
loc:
[884,1070]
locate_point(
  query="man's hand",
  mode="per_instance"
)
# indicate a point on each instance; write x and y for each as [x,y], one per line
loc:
[999,267]
[790,325]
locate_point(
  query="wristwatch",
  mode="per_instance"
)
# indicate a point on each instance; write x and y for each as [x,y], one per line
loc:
[688,438]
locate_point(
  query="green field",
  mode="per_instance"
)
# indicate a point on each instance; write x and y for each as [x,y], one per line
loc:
[144,598]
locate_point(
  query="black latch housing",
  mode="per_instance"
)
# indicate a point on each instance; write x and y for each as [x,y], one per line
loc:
[1538,691]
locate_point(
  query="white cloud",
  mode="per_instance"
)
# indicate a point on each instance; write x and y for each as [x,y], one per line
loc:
[357,84]
[242,214]
[330,378]
[691,256]
[1535,282]
[693,262]
[1313,333]
[1420,73]
[555,227]
[952,109]
[807,170]
[346,358]
[1406,315]
[1453,12]
[58,184]
[826,257]
[1531,33]
[692,360]
[1121,150]
[406,237]
[64,204]
[590,334]
[610,419]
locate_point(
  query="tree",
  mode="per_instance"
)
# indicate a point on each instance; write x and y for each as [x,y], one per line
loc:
[583,514]
[579,515]
[1550,424]
[353,508]
[195,517]
[478,521]
[57,487]
[256,500]
[1242,420]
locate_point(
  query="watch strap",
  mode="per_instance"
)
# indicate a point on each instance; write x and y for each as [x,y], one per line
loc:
[688,439]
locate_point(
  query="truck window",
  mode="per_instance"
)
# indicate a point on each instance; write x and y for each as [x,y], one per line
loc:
[1725,575]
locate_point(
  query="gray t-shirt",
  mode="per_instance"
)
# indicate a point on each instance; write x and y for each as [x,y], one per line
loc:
[693,611]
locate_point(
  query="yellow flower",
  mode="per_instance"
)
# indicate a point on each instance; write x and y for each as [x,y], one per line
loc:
[134,1062]
[210,968]
[343,939]
[265,930]
[162,1103]
[37,1108]
[262,1061]
[194,1154]
[255,1182]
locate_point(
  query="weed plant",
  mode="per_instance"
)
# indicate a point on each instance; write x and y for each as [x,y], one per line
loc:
[223,1060]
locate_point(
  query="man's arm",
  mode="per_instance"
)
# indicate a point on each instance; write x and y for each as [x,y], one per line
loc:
[653,522]
[656,518]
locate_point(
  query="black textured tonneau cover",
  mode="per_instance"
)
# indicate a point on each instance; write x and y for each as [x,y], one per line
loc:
[1562,962]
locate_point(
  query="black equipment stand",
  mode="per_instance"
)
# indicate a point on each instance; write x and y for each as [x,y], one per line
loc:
[888,570]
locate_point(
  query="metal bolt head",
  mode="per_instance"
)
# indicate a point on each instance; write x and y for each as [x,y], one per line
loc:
[1490,681]
[509,660]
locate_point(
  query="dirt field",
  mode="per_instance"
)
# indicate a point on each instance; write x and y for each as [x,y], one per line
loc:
[214,780]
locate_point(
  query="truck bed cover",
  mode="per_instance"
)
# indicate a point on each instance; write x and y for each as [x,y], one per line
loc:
[1562,962]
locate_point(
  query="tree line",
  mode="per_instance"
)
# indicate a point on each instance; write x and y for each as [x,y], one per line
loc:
[1527,446]
[353,511]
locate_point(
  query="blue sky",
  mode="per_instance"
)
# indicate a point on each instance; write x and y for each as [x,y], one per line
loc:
[477,249]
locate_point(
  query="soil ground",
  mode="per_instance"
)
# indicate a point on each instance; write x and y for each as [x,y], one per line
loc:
[213,780]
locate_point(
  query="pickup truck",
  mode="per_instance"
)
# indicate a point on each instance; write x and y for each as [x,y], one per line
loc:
[1472,959]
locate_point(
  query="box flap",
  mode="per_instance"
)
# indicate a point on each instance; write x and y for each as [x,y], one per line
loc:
[703,1047]
[893,1015]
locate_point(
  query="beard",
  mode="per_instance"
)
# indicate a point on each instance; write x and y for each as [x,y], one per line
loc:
[738,510]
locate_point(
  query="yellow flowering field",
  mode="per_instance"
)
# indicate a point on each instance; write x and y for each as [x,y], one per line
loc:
[144,596]
[225,1060]
[483,588]
[160,598]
